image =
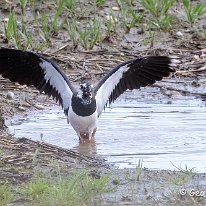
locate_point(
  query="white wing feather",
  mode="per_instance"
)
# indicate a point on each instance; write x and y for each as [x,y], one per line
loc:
[106,89]
[58,82]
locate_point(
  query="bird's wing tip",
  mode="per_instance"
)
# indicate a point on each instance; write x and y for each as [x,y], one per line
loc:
[174,61]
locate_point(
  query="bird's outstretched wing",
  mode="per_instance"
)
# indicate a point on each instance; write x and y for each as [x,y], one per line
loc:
[33,69]
[130,75]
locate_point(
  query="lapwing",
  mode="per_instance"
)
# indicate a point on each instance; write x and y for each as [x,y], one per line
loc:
[82,105]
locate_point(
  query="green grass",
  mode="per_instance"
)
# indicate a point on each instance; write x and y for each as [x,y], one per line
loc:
[158,7]
[159,11]
[17,33]
[180,180]
[77,10]
[45,34]
[139,169]
[193,12]
[136,19]
[72,32]
[56,23]
[129,16]
[100,2]
[185,174]
[8,27]
[32,5]
[35,188]
[6,195]
[184,169]
[23,6]
[76,189]
[71,5]
[90,34]
[86,27]
[111,25]
[87,33]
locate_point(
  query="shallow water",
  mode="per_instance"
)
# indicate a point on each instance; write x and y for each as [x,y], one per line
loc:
[159,133]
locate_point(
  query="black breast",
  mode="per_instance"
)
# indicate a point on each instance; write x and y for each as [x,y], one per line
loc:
[83,108]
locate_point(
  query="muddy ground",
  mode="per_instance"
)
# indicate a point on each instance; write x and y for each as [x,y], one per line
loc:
[17,163]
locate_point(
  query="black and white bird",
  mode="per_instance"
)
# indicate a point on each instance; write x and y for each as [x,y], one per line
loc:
[82,106]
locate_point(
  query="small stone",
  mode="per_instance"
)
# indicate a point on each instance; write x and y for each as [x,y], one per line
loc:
[27,105]
[144,25]
[39,106]
[179,34]
[196,57]
[196,84]
[116,182]
[6,20]
[115,8]
[10,95]
[21,108]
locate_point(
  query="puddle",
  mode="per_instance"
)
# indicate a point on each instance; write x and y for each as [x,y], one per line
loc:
[162,134]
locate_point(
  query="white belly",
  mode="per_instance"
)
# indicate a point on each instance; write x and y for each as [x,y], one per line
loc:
[82,124]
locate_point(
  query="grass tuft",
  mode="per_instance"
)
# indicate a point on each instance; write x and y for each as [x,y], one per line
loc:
[56,25]
[159,11]
[111,25]
[129,16]
[100,2]
[6,195]
[71,5]
[193,12]
[72,32]
[139,169]
[77,189]
[184,169]
[91,34]
[45,29]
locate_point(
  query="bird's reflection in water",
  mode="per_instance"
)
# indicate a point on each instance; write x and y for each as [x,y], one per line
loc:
[85,148]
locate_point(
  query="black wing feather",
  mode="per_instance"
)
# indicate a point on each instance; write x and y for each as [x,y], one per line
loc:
[131,75]
[25,68]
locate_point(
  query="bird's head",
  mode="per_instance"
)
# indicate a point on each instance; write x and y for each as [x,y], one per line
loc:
[86,89]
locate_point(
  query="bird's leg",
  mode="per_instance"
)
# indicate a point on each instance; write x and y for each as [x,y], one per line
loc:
[81,141]
[83,138]
[93,134]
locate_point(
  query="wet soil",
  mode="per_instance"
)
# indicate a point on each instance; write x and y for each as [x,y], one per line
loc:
[21,158]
